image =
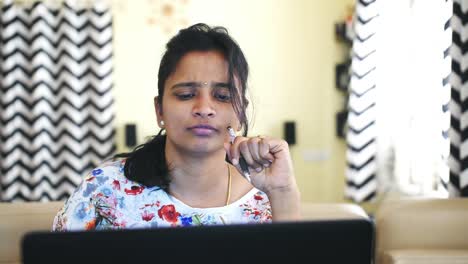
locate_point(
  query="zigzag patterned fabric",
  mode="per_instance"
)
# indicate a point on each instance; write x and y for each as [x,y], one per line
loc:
[445,93]
[361,169]
[56,106]
[458,159]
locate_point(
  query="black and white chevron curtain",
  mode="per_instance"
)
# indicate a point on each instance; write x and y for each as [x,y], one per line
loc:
[361,178]
[56,106]
[458,159]
[446,90]
[361,173]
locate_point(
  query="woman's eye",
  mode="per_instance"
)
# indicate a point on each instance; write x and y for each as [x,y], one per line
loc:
[185,96]
[224,97]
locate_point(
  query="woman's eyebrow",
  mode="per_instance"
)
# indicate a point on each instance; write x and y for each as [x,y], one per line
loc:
[200,84]
[220,85]
[187,84]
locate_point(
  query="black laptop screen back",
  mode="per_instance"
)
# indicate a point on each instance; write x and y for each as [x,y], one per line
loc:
[340,241]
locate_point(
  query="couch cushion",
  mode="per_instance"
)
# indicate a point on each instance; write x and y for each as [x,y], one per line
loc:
[426,256]
[422,223]
[18,218]
[324,211]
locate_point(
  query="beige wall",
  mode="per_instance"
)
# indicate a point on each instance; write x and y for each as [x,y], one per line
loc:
[292,52]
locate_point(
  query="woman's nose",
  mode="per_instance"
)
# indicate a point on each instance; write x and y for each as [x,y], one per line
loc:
[203,107]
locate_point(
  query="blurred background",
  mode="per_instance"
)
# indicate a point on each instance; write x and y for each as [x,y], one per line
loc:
[315,67]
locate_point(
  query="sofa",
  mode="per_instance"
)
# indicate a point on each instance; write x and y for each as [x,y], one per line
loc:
[408,231]
[16,219]
[422,230]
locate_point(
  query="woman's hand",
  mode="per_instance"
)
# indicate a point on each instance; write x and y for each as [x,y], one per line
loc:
[271,171]
[269,161]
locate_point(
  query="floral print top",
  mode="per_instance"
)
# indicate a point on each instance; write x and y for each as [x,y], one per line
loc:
[106,199]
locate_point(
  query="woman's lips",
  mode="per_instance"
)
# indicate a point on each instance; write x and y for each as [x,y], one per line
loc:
[203,130]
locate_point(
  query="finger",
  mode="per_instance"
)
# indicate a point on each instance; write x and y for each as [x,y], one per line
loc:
[264,152]
[278,148]
[229,148]
[255,152]
[253,148]
[234,150]
[244,148]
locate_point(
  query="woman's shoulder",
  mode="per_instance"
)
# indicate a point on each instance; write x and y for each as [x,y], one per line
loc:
[106,173]
[109,178]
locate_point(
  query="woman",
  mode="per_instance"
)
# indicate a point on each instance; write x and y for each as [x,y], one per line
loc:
[190,173]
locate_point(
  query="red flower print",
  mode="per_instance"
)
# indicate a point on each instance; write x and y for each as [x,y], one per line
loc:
[134,190]
[116,185]
[120,224]
[147,216]
[258,197]
[90,225]
[267,217]
[150,205]
[168,213]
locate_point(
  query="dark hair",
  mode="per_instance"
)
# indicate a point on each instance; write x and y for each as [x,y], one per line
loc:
[147,164]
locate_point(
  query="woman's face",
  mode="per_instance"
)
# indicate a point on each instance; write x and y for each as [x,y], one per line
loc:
[196,106]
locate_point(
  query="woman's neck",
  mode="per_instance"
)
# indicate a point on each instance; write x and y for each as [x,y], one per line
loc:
[198,180]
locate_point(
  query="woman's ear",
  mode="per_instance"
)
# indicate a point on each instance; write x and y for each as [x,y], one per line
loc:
[158,111]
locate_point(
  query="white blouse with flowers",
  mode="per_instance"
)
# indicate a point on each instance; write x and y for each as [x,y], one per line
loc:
[106,199]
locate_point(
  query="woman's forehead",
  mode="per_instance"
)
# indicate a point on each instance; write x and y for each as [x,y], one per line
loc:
[203,67]
[202,64]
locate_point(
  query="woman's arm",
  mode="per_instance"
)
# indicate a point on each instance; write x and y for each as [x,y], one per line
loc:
[285,204]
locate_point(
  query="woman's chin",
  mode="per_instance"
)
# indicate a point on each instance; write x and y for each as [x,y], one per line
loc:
[204,148]
[201,148]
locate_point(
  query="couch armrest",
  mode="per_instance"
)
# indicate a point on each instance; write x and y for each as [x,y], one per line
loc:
[17,218]
[421,223]
[330,211]
[425,256]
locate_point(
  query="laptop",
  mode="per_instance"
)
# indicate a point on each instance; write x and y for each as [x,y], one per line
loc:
[318,241]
